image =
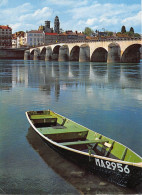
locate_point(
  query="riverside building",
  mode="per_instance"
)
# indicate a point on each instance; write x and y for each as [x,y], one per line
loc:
[5,36]
[68,36]
[34,38]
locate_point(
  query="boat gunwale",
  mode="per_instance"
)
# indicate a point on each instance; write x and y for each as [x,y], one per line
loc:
[139,164]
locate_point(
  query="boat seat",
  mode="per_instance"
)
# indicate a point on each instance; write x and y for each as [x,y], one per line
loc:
[84,142]
[46,120]
[39,116]
[63,133]
[59,130]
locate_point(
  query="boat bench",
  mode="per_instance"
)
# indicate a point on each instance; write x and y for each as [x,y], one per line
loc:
[84,142]
[46,118]
[60,130]
[43,119]
[62,133]
[39,116]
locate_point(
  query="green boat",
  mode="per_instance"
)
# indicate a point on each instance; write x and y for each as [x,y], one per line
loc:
[98,153]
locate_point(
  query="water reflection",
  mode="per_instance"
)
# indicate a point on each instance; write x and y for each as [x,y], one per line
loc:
[46,75]
[63,70]
[131,70]
[74,69]
[84,182]
[99,69]
[5,77]
[107,99]
[113,72]
[131,75]
[56,70]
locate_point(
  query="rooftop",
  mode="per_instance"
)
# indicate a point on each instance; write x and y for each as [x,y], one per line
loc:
[51,34]
[34,31]
[72,33]
[5,27]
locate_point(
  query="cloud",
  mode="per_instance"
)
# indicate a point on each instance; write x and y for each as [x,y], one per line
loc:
[3,2]
[134,20]
[72,3]
[24,17]
[91,21]
[75,15]
[107,10]
[13,14]
[108,15]
[37,15]
[20,26]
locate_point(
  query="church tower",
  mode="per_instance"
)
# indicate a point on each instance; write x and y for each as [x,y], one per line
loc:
[56,25]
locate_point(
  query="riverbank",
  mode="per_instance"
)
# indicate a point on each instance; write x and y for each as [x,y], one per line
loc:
[12,53]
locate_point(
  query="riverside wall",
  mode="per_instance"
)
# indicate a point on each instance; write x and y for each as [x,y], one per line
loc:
[12,53]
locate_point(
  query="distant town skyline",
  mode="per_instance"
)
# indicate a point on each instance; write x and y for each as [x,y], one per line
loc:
[103,15]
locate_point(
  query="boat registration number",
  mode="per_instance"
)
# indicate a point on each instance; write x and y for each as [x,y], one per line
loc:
[112,165]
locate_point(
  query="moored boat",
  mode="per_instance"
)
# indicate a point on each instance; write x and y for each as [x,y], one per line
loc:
[100,154]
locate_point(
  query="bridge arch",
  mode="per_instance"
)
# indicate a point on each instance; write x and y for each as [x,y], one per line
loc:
[55,53]
[131,54]
[32,54]
[42,53]
[35,54]
[99,55]
[74,53]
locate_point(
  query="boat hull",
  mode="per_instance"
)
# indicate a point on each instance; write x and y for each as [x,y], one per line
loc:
[95,152]
[123,175]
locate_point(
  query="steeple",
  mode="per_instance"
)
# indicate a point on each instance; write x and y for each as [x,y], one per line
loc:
[56,25]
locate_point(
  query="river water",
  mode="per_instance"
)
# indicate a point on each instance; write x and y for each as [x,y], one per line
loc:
[105,98]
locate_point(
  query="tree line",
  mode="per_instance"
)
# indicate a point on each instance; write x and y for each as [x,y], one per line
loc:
[90,32]
[130,33]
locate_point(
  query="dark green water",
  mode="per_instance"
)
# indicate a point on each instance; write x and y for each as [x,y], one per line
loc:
[106,98]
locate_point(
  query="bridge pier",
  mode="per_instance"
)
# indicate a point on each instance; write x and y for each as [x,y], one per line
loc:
[113,53]
[63,53]
[27,55]
[84,55]
[36,54]
[48,54]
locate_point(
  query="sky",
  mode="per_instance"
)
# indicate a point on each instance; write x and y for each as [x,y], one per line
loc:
[102,15]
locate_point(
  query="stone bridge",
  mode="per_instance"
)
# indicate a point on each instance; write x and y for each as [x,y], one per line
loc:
[95,51]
